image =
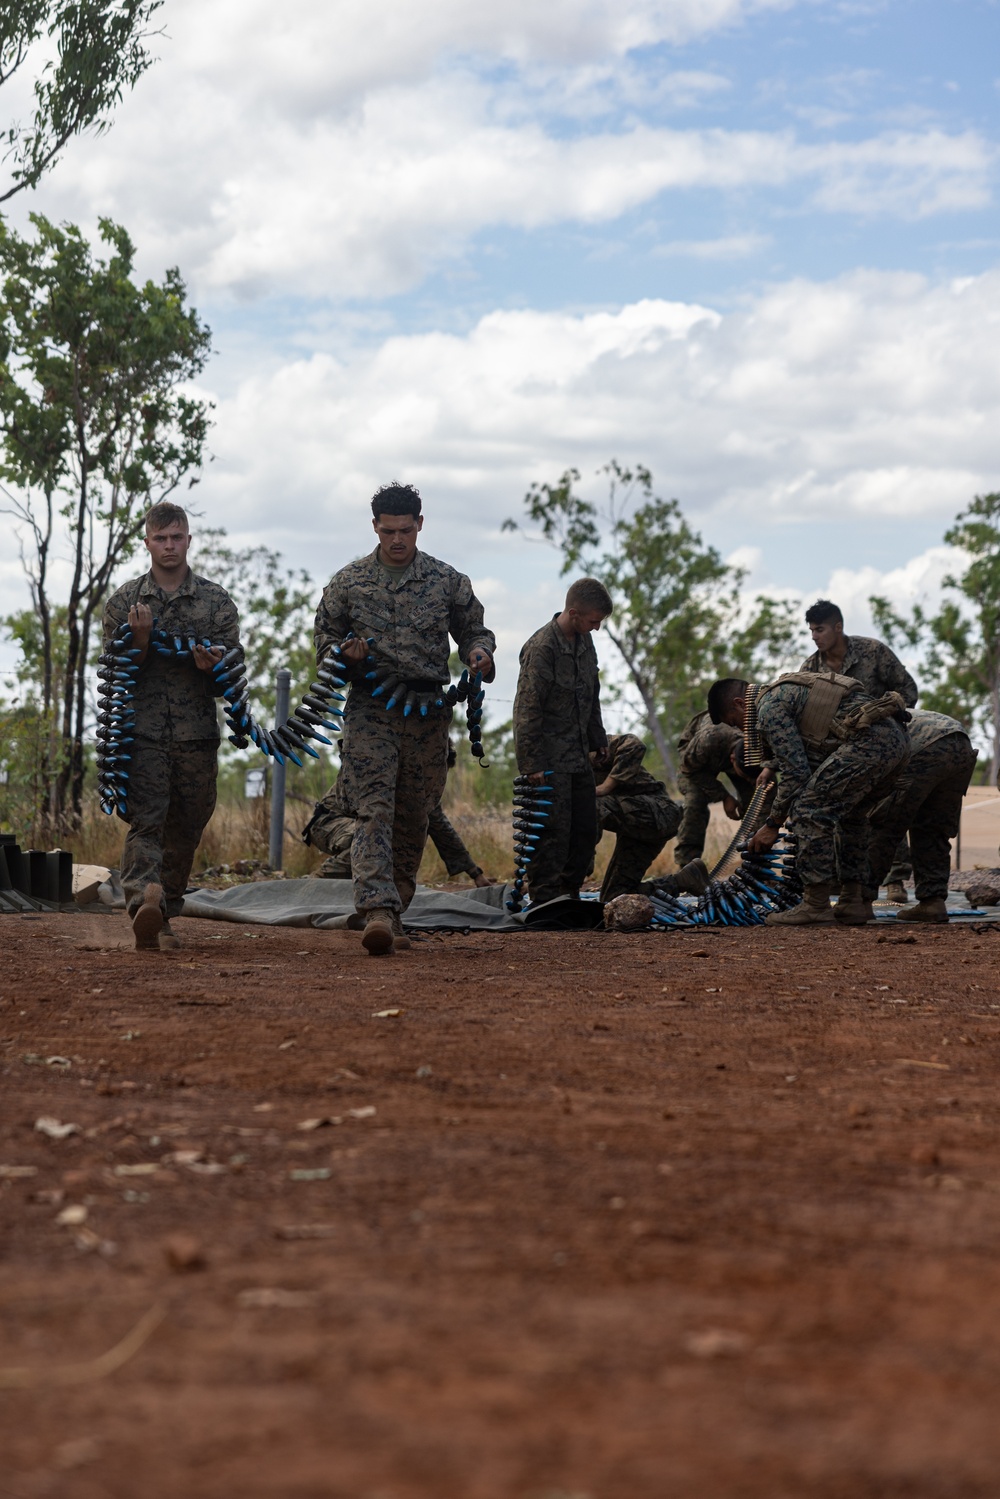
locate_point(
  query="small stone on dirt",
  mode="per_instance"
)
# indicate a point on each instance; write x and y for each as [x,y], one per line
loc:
[54,1130]
[184,1252]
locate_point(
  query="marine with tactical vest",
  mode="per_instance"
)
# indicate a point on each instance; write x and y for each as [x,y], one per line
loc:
[879,670]
[835,749]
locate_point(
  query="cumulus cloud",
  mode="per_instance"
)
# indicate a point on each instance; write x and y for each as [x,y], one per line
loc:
[870,396]
[337,153]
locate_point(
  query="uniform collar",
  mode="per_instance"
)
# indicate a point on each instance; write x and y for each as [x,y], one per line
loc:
[416,569]
[572,645]
[149,588]
[849,657]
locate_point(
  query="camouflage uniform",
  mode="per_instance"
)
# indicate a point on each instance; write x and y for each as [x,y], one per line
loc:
[926,801]
[705,751]
[172,774]
[331,829]
[394,768]
[879,670]
[557,722]
[640,814]
[824,793]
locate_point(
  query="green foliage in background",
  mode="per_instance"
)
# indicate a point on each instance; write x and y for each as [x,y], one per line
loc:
[96,425]
[680,621]
[99,52]
[960,642]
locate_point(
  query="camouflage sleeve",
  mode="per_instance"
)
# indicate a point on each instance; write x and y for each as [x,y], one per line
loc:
[225,622]
[597,734]
[713,788]
[896,677]
[778,722]
[456,857]
[467,624]
[710,750]
[333,620]
[115,613]
[533,684]
[629,753]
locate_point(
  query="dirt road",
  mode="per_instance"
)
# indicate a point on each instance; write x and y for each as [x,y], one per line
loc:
[591,1217]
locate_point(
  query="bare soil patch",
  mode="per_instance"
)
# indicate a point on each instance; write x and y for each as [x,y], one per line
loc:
[590,1217]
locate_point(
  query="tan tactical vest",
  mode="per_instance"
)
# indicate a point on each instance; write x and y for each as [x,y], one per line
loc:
[827,690]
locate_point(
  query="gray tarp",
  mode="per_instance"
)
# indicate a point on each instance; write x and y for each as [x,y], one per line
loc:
[328,903]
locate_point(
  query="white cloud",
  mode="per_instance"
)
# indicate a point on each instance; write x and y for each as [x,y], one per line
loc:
[870,396]
[341,152]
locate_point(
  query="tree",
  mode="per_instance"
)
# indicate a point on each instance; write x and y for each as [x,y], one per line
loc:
[100,52]
[95,426]
[277,608]
[961,641]
[679,620]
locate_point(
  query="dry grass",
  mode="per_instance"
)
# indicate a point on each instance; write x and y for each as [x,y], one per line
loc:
[239,830]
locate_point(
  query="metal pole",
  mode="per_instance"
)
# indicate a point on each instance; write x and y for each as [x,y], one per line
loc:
[275,847]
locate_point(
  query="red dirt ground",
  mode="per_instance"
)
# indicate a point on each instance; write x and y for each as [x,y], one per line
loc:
[601,1217]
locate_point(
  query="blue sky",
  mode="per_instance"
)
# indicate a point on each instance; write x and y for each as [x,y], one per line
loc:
[751,243]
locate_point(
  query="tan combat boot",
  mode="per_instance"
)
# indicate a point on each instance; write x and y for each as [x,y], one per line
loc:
[925,910]
[378,936]
[400,941]
[896,893]
[852,908]
[814,910]
[167,941]
[147,923]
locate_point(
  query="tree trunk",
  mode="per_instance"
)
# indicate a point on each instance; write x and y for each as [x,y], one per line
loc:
[663,748]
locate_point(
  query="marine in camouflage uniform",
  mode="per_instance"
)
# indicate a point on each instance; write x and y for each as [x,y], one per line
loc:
[823,792]
[706,751]
[636,809]
[394,768]
[879,670]
[925,802]
[557,722]
[172,775]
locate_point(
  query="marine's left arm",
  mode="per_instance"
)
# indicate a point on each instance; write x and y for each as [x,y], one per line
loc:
[468,629]
[895,677]
[779,726]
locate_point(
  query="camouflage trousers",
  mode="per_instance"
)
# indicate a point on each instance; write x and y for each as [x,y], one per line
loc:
[829,816]
[926,802]
[395,771]
[334,835]
[699,793]
[564,854]
[642,824]
[171,796]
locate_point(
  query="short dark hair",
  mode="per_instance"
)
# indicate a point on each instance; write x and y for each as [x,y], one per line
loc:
[165,514]
[821,611]
[721,695]
[589,593]
[396,499]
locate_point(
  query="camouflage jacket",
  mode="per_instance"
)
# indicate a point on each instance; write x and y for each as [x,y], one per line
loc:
[627,753]
[706,750]
[410,617]
[926,728]
[557,705]
[874,665]
[778,716]
[174,702]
